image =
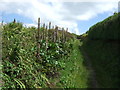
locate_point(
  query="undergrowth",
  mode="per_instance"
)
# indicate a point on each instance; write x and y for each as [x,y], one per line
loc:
[20,68]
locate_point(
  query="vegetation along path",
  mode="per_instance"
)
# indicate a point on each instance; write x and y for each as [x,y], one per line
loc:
[76,73]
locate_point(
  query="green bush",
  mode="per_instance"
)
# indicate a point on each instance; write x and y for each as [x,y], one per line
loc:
[108,29]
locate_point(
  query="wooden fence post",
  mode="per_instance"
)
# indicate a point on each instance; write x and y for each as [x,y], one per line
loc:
[52,27]
[52,34]
[14,21]
[49,25]
[54,39]
[46,38]
[56,29]
[66,34]
[38,42]
[43,32]
[55,33]
[63,35]
[2,23]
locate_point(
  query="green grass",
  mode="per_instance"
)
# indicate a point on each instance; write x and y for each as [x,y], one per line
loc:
[105,57]
[74,74]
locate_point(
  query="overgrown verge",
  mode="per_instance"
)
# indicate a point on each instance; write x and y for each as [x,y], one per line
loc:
[20,67]
[74,74]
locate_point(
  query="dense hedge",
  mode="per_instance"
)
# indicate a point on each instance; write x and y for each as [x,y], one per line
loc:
[103,48]
[108,29]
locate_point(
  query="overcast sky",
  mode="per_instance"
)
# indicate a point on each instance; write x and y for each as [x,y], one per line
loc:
[78,16]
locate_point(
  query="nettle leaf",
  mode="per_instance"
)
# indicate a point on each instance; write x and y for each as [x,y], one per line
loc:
[42,54]
[56,62]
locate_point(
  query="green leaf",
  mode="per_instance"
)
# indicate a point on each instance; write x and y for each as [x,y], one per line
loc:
[20,83]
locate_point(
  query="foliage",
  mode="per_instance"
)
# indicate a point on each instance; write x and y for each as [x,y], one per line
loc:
[105,59]
[108,29]
[21,69]
[102,45]
[74,73]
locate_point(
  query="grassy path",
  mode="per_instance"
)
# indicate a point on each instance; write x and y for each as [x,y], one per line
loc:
[78,71]
[104,57]
[75,74]
[93,82]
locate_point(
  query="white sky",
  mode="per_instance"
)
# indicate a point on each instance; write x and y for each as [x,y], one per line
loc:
[64,13]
